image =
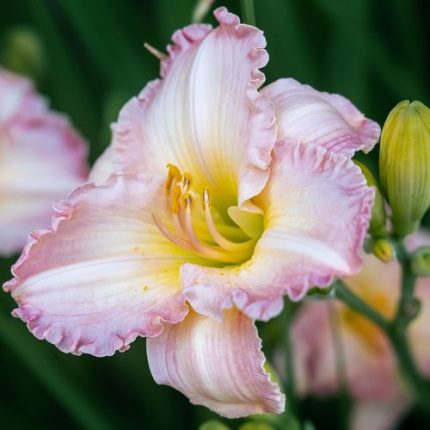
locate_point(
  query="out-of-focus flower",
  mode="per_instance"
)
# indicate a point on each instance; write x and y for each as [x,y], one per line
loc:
[404,164]
[372,376]
[260,199]
[41,160]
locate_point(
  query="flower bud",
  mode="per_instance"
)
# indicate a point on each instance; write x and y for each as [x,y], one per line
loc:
[384,250]
[404,164]
[377,226]
[23,52]
[420,261]
[213,425]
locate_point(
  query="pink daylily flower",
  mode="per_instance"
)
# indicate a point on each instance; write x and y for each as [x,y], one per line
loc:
[249,209]
[373,379]
[41,160]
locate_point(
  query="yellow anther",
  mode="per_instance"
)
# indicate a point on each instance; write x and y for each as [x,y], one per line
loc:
[175,202]
[187,199]
[206,198]
[187,181]
[173,174]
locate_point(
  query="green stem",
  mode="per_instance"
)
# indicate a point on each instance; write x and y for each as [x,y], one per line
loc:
[286,319]
[248,14]
[344,294]
[407,310]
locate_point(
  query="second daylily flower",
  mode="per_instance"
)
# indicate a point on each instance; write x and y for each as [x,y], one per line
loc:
[259,199]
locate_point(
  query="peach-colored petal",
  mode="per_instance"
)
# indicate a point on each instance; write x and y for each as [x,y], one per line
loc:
[310,116]
[369,362]
[41,159]
[317,209]
[206,115]
[379,415]
[103,274]
[218,364]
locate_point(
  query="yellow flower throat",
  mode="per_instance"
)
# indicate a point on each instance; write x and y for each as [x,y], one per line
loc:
[194,227]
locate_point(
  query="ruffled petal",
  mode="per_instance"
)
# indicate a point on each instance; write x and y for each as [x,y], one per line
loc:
[218,364]
[206,115]
[103,274]
[309,116]
[17,98]
[317,209]
[42,160]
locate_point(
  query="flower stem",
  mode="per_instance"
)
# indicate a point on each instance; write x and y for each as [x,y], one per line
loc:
[286,320]
[396,330]
[344,294]
[248,13]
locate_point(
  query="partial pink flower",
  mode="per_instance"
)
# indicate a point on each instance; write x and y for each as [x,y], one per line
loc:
[373,378]
[201,217]
[41,159]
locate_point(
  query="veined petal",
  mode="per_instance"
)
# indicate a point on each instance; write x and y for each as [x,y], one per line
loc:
[218,364]
[206,115]
[317,209]
[103,274]
[41,160]
[306,115]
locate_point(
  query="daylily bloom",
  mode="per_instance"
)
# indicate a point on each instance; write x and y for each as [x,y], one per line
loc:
[41,160]
[373,379]
[259,199]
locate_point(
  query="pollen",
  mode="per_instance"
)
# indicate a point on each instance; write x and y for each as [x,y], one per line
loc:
[180,222]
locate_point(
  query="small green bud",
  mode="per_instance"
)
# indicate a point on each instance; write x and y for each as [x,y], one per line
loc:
[420,261]
[213,425]
[255,426]
[377,227]
[404,164]
[384,250]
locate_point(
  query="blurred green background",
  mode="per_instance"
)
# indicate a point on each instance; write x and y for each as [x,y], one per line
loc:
[87,57]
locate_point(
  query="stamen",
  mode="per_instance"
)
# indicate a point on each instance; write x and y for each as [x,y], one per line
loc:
[217,236]
[214,253]
[173,175]
[187,181]
[154,51]
[175,198]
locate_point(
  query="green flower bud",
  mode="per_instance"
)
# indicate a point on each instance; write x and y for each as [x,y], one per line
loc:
[377,227]
[420,261]
[404,164]
[213,425]
[256,426]
[23,52]
[384,250]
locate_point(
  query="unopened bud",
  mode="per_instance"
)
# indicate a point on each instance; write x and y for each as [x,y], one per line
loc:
[23,52]
[213,425]
[377,226]
[384,250]
[256,426]
[420,261]
[404,164]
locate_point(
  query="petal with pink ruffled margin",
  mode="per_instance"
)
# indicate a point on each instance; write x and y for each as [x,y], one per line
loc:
[103,274]
[317,209]
[206,115]
[306,115]
[218,364]
[43,159]
[17,98]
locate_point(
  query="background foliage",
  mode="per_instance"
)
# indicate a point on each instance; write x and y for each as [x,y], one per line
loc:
[88,59]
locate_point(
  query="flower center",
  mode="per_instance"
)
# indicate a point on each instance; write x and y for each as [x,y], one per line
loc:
[188,220]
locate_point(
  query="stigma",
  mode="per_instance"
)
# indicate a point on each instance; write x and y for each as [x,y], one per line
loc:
[187,220]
